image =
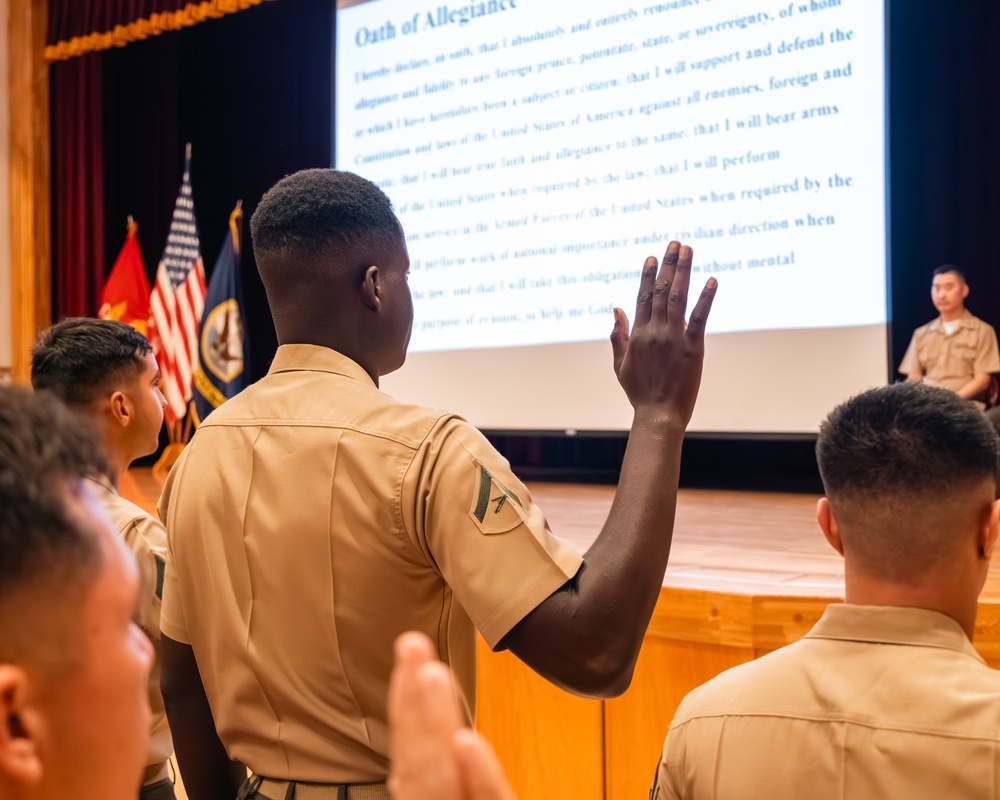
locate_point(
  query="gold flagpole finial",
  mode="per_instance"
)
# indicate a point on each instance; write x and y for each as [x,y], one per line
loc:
[187,152]
[235,224]
[131,227]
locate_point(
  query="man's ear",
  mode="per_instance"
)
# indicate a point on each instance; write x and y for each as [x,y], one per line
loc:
[20,760]
[965,290]
[828,523]
[120,408]
[371,289]
[988,532]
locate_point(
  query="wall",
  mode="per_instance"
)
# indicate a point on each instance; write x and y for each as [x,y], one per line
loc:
[6,288]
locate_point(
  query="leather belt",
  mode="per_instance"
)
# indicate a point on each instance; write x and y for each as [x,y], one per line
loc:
[155,773]
[298,790]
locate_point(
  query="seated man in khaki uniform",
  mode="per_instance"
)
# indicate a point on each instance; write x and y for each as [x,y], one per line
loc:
[106,371]
[74,667]
[956,351]
[312,518]
[885,697]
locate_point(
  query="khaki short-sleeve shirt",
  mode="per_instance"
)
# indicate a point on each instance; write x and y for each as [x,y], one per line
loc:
[147,539]
[872,703]
[311,520]
[951,360]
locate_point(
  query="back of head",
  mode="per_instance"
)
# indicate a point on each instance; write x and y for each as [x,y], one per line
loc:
[81,359]
[45,554]
[317,223]
[904,467]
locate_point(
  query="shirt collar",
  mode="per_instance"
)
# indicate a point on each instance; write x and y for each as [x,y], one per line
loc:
[964,321]
[102,481]
[916,627]
[312,358]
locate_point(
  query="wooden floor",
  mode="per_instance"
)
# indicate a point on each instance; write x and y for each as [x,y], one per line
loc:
[756,543]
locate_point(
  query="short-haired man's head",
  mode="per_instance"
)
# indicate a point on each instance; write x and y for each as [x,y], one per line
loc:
[948,269]
[900,465]
[320,215]
[82,359]
[47,552]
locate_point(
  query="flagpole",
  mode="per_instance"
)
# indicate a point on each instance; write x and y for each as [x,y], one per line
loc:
[179,436]
[188,421]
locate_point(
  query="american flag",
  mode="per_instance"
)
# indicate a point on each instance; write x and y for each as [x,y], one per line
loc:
[177,302]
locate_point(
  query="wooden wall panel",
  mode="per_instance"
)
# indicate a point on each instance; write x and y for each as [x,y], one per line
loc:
[986,636]
[636,723]
[29,192]
[704,617]
[549,742]
[778,621]
[6,280]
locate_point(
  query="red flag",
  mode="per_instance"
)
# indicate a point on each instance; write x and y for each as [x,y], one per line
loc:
[125,296]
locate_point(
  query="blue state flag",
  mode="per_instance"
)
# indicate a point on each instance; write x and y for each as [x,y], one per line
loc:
[223,348]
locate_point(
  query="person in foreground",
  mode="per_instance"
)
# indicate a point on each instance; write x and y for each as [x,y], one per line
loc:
[885,696]
[434,755]
[312,518]
[74,721]
[106,371]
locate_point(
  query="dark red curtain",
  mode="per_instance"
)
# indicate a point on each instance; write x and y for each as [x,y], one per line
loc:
[70,18]
[77,185]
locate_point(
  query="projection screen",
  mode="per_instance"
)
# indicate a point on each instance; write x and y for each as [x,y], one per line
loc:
[537,151]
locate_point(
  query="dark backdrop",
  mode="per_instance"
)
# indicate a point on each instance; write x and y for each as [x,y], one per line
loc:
[944,148]
[253,93]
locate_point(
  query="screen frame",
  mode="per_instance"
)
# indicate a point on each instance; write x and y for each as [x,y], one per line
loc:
[713,435]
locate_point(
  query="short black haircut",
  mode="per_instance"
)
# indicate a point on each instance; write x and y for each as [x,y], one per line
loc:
[905,439]
[45,450]
[945,269]
[319,213]
[80,358]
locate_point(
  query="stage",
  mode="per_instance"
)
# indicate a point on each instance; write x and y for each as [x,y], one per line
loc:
[748,573]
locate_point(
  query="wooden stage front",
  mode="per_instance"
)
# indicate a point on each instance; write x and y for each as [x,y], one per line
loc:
[748,573]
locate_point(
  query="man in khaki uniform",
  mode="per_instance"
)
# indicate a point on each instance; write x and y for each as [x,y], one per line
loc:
[885,697]
[956,351]
[106,371]
[74,667]
[313,518]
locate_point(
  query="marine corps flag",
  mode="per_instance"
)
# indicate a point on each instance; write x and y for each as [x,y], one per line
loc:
[223,349]
[125,296]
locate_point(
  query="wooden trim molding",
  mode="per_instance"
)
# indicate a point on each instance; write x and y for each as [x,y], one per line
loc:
[143,28]
[29,190]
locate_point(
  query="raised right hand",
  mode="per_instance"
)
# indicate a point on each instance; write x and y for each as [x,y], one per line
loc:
[659,363]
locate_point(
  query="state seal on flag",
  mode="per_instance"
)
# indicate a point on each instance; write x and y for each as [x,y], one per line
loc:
[222,341]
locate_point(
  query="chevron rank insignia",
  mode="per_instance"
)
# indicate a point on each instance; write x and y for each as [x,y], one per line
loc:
[495,508]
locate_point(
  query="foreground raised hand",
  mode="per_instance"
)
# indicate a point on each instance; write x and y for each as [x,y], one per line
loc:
[433,755]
